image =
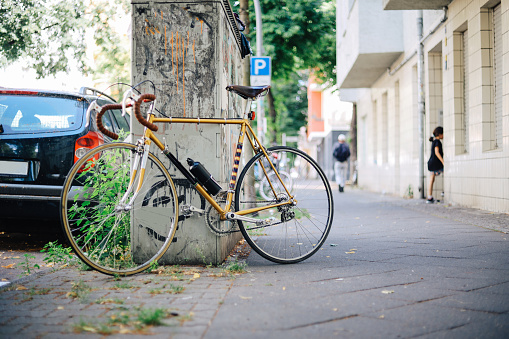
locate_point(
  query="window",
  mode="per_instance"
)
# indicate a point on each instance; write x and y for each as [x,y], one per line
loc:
[496,123]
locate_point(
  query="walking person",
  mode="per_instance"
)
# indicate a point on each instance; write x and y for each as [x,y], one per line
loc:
[436,160]
[341,154]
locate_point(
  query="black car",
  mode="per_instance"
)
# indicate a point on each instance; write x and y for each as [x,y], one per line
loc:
[42,134]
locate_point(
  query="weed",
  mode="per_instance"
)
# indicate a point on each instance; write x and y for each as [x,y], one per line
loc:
[42,291]
[236,267]
[83,326]
[26,265]
[122,286]
[176,289]
[57,254]
[154,265]
[155,291]
[152,317]
[103,301]
[83,267]
[79,290]
[122,318]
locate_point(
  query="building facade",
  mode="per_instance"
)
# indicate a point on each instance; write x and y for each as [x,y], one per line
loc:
[410,66]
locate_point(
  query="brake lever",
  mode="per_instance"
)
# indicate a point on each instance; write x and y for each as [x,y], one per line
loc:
[93,106]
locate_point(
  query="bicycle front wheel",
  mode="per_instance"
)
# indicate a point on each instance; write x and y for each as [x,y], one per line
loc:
[107,232]
[294,231]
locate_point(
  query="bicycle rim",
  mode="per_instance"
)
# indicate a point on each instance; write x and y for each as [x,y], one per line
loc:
[297,231]
[104,233]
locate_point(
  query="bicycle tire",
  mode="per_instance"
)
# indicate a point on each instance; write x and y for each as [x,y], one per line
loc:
[108,238]
[265,189]
[290,239]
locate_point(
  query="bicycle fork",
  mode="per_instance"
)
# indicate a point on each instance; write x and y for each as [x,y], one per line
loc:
[122,205]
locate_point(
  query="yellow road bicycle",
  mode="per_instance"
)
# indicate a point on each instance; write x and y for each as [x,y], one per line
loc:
[119,205]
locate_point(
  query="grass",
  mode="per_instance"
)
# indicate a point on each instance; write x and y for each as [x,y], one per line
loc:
[103,301]
[122,286]
[235,267]
[172,289]
[79,290]
[137,321]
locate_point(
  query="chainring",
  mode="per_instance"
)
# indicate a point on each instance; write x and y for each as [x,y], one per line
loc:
[216,225]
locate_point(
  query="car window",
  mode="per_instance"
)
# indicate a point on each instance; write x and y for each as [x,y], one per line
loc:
[28,114]
[107,122]
[121,120]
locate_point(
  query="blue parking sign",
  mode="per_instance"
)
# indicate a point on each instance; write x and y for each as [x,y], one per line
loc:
[260,66]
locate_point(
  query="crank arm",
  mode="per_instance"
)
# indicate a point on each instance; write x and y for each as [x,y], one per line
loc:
[259,222]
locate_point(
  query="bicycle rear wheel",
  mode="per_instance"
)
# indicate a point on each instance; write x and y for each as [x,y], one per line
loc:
[299,229]
[110,236]
[266,190]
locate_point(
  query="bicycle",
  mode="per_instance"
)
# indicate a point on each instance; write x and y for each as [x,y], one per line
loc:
[120,195]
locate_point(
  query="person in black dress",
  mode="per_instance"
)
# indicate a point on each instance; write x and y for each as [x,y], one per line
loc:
[436,160]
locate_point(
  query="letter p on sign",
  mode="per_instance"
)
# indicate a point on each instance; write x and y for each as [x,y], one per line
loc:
[260,71]
[260,66]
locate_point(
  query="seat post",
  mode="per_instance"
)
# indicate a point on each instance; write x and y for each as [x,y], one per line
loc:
[248,108]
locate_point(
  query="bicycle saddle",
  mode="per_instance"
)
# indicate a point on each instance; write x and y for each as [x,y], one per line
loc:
[248,92]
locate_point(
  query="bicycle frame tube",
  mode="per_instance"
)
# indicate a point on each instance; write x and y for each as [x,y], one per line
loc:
[245,130]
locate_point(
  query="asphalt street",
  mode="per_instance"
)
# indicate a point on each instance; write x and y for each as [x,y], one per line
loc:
[391,268]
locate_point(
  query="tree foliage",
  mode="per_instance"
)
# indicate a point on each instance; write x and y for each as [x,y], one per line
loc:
[300,37]
[50,35]
[44,31]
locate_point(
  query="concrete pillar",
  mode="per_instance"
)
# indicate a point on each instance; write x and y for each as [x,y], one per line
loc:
[190,50]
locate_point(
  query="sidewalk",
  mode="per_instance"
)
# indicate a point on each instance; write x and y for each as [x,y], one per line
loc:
[390,268]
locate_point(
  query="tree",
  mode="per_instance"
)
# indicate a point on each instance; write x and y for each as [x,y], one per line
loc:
[299,36]
[43,31]
[51,33]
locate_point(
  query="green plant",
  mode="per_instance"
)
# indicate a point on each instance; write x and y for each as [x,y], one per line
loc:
[92,327]
[236,267]
[42,291]
[79,290]
[57,254]
[152,317]
[105,240]
[176,289]
[103,301]
[26,265]
[409,192]
[122,285]
[154,265]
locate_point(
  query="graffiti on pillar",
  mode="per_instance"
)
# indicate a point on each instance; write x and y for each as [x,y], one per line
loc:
[175,48]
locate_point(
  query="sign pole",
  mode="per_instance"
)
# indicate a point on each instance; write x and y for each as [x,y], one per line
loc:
[259,46]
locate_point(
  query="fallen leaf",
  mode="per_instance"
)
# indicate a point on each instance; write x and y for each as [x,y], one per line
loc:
[196,275]
[9,266]
[245,298]
[381,317]
[387,291]
[16,257]
[3,279]
[351,252]
[353,249]
[21,288]
[89,329]
[60,307]
[284,288]
[327,256]
[335,309]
